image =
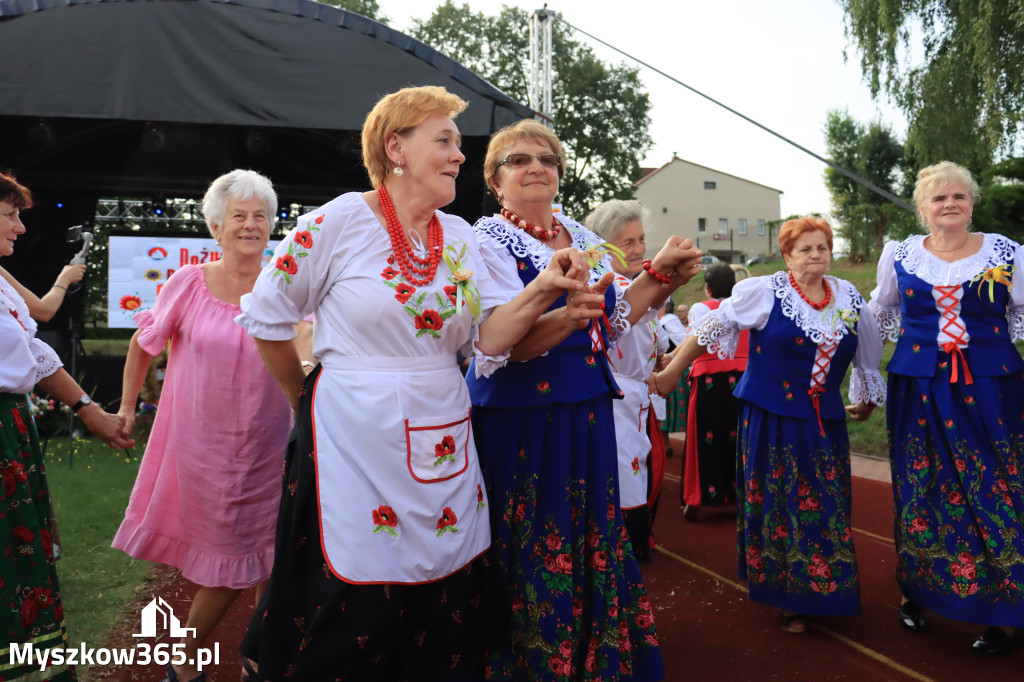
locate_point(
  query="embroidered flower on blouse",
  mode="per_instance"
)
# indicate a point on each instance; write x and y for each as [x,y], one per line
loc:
[298,247]
[385,520]
[999,274]
[447,522]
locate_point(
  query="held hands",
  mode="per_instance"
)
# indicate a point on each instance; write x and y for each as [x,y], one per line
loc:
[663,383]
[583,306]
[110,428]
[680,258]
[860,411]
[566,271]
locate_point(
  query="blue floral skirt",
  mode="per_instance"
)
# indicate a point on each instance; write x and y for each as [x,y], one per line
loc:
[957,454]
[574,595]
[795,540]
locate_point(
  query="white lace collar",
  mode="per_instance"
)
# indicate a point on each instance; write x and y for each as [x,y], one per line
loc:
[820,326]
[918,260]
[523,245]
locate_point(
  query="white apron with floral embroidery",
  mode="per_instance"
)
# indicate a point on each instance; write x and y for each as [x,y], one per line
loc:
[398,482]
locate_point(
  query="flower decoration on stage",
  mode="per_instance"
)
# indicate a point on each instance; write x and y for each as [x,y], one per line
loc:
[385,520]
[130,303]
[298,247]
[461,277]
[848,316]
[447,522]
[999,274]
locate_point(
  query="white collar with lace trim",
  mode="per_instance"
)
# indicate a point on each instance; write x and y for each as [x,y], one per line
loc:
[523,245]
[820,326]
[918,260]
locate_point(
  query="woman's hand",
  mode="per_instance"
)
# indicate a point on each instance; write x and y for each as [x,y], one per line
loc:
[664,383]
[110,428]
[860,411]
[127,416]
[678,257]
[584,306]
[71,274]
[566,271]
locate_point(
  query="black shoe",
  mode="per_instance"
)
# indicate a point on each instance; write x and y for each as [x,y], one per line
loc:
[912,616]
[994,642]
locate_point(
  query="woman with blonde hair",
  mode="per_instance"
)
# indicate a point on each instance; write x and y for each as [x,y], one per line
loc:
[573,593]
[953,302]
[382,569]
[795,540]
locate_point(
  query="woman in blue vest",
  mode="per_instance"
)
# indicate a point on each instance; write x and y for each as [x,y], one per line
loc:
[953,302]
[545,432]
[793,473]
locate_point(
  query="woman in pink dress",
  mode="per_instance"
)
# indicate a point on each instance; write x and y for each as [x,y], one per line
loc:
[206,497]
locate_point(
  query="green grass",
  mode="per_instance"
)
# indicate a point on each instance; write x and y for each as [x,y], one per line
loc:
[867,437]
[97,582]
[106,346]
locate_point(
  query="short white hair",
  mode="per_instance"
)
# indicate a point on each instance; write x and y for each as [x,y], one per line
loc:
[238,185]
[608,219]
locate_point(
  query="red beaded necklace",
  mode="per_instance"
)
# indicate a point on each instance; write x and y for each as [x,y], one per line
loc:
[417,271]
[817,306]
[533,230]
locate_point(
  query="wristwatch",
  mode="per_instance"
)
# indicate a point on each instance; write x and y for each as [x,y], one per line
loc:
[82,402]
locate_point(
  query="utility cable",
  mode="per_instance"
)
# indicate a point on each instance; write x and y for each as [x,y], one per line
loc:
[831,164]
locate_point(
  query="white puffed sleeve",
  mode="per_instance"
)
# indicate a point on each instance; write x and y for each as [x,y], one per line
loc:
[297,278]
[501,265]
[749,307]
[885,299]
[24,359]
[1015,307]
[866,382]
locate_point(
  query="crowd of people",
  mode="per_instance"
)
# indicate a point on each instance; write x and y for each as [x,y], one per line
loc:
[432,526]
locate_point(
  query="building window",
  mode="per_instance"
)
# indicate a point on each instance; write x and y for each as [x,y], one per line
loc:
[723,225]
[760,225]
[741,226]
[702,224]
[710,184]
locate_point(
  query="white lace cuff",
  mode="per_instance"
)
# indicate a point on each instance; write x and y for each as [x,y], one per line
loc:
[619,320]
[1015,316]
[47,361]
[889,321]
[485,365]
[720,336]
[867,386]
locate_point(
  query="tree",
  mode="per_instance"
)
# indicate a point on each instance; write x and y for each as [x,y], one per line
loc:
[1002,200]
[601,115]
[872,152]
[368,8]
[964,101]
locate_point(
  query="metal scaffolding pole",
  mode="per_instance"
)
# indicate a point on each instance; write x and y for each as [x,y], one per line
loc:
[540,63]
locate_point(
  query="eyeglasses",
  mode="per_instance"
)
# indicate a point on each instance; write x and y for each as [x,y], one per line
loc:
[525,160]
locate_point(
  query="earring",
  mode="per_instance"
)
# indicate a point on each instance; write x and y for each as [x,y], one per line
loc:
[970,219]
[398,171]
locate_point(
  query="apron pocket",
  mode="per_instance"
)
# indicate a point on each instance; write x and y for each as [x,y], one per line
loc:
[437,448]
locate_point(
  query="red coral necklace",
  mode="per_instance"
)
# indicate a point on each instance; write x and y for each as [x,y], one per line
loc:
[417,271]
[817,306]
[535,231]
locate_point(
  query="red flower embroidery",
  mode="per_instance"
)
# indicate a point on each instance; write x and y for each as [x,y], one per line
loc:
[403,291]
[23,534]
[543,387]
[444,451]
[384,519]
[29,610]
[451,292]
[287,264]
[636,465]
[304,239]
[18,422]
[320,219]
[389,273]
[430,319]
[447,522]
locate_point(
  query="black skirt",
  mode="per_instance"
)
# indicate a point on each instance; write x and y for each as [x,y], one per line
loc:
[310,625]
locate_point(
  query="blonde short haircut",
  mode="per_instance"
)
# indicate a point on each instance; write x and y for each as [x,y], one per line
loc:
[527,129]
[939,175]
[399,113]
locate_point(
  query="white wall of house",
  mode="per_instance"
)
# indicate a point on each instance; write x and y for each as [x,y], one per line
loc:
[703,204]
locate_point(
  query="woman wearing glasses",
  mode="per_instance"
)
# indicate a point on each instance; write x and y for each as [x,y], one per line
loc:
[545,432]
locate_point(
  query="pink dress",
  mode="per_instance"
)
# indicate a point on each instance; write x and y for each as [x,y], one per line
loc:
[209,486]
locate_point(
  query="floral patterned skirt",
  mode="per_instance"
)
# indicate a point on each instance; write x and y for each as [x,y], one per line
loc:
[575,600]
[957,454]
[29,590]
[676,404]
[311,625]
[709,469]
[795,540]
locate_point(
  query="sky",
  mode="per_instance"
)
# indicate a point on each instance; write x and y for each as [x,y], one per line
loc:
[779,62]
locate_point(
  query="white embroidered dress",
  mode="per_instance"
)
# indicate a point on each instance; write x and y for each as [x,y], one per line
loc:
[26,359]
[398,484]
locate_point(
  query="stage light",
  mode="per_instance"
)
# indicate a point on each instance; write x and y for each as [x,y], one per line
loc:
[60,204]
[153,139]
[159,206]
